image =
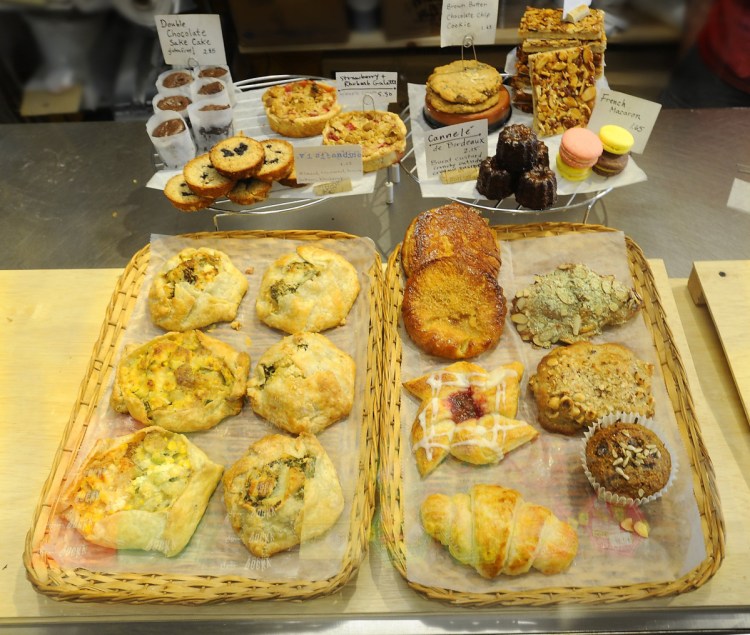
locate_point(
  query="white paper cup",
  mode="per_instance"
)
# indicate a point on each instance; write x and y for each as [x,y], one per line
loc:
[170,103]
[210,87]
[211,125]
[611,497]
[174,149]
[166,84]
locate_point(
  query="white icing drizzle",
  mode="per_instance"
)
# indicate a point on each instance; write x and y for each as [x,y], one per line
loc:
[495,379]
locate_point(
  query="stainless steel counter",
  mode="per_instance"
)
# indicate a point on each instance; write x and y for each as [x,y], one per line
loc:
[74,195]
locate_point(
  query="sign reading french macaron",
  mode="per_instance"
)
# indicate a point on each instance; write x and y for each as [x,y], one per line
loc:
[634,114]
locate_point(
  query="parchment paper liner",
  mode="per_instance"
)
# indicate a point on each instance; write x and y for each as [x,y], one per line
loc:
[646,422]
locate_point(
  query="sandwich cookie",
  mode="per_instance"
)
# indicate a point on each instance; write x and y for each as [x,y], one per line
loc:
[579,151]
[617,143]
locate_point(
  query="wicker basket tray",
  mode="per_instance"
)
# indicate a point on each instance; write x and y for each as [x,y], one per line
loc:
[394,498]
[82,584]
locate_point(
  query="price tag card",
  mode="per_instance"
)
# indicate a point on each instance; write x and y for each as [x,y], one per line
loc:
[328,163]
[463,145]
[636,115]
[474,18]
[366,90]
[191,39]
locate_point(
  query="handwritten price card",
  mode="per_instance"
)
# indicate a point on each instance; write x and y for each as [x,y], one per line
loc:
[328,163]
[636,115]
[474,18]
[455,147]
[191,39]
[367,90]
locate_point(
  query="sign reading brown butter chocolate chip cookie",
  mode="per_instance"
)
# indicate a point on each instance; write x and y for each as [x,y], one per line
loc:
[310,289]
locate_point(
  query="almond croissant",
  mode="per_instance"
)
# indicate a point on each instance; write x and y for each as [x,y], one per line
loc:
[493,530]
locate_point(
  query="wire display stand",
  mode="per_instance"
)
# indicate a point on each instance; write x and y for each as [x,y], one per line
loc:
[565,202]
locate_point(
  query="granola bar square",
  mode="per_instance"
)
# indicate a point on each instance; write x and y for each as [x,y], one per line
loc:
[549,24]
[564,90]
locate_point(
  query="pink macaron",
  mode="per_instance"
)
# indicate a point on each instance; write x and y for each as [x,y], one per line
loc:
[580,148]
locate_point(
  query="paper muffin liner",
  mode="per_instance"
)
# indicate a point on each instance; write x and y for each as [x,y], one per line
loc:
[646,422]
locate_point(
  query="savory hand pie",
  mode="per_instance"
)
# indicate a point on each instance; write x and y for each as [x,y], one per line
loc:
[181,381]
[303,383]
[576,385]
[146,490]
[467,412]
[196,288]
[283,492]
[311,289]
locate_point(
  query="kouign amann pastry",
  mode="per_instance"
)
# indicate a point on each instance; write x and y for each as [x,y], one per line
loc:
[494,530]
[182,196]
[282,493]
[466,90]
[576,385]
[452,309]
[571,304]
[310,289]
[627,460]
[300,109]
[452,230]
[381,134]
[183,382]
[204,179]
[237,157]
[146,490]
[303,383]
[195,288]
[469,413]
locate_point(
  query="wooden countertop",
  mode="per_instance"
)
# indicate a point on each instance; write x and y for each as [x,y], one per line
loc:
[50,322]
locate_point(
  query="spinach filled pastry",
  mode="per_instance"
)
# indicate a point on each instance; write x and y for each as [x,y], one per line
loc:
[183,382]
[196,288]
[283,492]
[147,490]
[311,289]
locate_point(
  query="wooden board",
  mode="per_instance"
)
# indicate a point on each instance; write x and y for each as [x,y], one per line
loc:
[724,287]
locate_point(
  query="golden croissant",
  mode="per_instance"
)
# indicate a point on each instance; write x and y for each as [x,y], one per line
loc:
[495,531]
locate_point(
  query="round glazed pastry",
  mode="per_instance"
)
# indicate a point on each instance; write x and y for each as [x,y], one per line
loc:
[452,230]
[537,188]
[494,182]
[310,289]
[303,384]
[453,310]
[626,460]
[283,492]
